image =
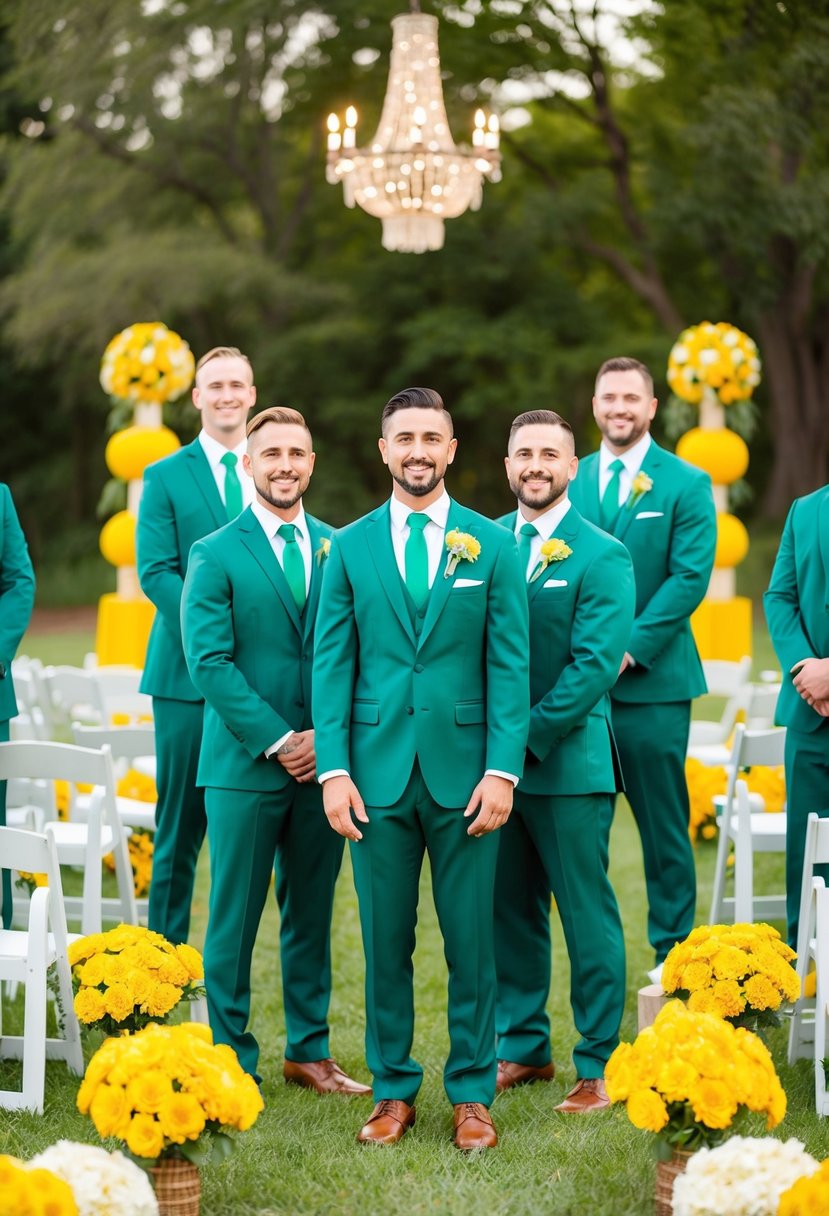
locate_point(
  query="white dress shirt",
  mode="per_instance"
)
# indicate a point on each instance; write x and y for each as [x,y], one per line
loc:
[434,532]
[545,525]
[214,451]
[631,459]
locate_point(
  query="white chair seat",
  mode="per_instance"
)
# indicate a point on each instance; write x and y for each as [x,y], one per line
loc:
[131,811]
[768,830]
[71,839]
[146,766]
[714,755]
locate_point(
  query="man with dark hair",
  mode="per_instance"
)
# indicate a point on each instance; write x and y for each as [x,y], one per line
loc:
[186,496]
[580,590]
[249,610]
[421,707]
[662,509]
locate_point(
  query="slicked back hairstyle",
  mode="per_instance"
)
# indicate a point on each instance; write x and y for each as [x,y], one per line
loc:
[540,418]
[279,414]
[622,363]
[415,399]
[223,352]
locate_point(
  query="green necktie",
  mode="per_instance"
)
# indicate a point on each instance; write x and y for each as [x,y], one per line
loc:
[292,564]
[417,559]
[525,540]
[233,487]
[610,499]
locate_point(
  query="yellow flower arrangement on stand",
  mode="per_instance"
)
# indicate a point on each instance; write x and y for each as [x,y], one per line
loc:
[33,1192]
[717,366]
[741,973]
[145,365]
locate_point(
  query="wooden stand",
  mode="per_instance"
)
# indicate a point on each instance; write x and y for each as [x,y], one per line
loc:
[651,1000]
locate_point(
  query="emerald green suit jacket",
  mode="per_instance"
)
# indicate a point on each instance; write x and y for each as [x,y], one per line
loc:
[581,613]
[797,602]
[180,504]
[17,597]
[248,651]
[671,535]
[448,687]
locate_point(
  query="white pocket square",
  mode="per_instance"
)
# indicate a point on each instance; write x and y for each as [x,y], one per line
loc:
[556,582]
[649,515]
[468,582]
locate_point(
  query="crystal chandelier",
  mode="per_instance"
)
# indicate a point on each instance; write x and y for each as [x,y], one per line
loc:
[413,176]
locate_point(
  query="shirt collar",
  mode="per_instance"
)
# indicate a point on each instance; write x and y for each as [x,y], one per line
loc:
[547,523]
[631,459]
[438,512]
[214,451]
[271,523]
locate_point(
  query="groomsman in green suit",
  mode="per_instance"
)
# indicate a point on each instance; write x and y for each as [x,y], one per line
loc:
[17,597]
[662,509]
[421,709]
[581,598]
[185,497]
[249,610]
[797,611]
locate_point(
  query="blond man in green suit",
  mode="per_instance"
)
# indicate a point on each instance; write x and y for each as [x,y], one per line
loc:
[421,709]
[249,610]
[662,509]
[17,597]
[797,611]
[185,497]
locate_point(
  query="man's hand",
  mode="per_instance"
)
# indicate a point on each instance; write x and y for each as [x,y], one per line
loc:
[297,757]
[811,679]
[627,661]
[493,795]
[341,798]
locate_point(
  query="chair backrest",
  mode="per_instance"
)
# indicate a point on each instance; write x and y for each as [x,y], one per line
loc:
[754,748]
[73,694]
[57,762]
[34,719]
[125,742]
[817,840]
[725,678]
[119,691]
[35,853]
[761,704]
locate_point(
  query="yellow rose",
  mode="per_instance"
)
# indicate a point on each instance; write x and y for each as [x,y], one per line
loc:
[149,1090]
[713,1103]
[144,1136]
[109,1110]
[675,1079]
[620,1073]
[181,1118]
[647,1111]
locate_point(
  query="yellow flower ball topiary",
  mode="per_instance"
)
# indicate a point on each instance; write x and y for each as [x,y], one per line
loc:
[128,452]
[732,541]
[147,362]
[722,454]
[117,540]
[717,357]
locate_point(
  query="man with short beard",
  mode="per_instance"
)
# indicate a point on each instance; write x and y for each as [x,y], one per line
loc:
[579,584]
[420,710]
[249,611]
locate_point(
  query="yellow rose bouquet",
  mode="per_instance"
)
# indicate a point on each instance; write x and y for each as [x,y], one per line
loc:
[33,1192]
[167,1091]
[739,972]
[808,1197]
[690,1077]
[130,976]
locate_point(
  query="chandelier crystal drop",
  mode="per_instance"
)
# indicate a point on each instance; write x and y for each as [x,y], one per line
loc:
[413,176]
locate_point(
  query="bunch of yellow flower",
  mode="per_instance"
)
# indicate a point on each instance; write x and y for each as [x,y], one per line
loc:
[738,972]
[705,782]
[720,357]
[147,362]
[33,1192]
[689,1075]
[141,843]
[130,976]
[809,1196]
[166,1089]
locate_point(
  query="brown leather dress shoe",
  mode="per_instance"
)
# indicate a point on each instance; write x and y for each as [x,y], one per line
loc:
[474,1127]
[586,1097]
[389,1122]
[324,1077]
[511,1074]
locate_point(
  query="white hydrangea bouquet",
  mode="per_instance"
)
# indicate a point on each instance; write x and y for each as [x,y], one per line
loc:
[104,1184]
[745,1176]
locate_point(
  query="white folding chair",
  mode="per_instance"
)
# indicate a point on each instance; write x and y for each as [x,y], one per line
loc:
[73,695]
[724,679]
[751,830]
[118,689]
[761,706]
[808,1022]
[127,744]
[82,844]
[25,958]
[33,720]
[822,997]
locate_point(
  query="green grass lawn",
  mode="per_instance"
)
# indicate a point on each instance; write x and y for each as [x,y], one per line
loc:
[301,1156]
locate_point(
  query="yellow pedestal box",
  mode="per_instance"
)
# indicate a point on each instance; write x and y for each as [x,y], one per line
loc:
[723,628]
[123,629]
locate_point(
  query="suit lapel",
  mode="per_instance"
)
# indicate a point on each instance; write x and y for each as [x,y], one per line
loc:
[443,585]
[650,465]
[565,531]
[254,538]
[823,535]
[378,539]
[199,467]
[317,563]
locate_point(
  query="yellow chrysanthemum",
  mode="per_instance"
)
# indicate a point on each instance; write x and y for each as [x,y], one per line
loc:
[192,961]
[162,999]
[89,1005]
[119,1002]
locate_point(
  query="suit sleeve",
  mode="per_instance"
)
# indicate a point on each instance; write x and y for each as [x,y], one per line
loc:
[782,603]
[601,628]
[691,559]
[207,630]
[17,581]
[158,557]
[335,661]
[507,664]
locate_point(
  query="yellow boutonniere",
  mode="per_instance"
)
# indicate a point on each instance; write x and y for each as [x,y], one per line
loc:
[323,551]
[552,550]
[641,485]
[462,548]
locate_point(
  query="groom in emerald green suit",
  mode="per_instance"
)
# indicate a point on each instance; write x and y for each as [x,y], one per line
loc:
[662,509]
[421,711]
[249,610]
[579,584]
[797,611]
[186,496]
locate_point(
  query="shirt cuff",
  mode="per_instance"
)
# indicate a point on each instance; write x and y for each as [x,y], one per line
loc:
[334,772]
[496,772]
[274,747]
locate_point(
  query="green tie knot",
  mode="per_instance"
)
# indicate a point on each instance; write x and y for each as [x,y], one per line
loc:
[418,520]
[616,466]
[288,533]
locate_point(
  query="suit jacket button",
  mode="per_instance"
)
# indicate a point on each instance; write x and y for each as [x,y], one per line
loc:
[418,667]
[410,709]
